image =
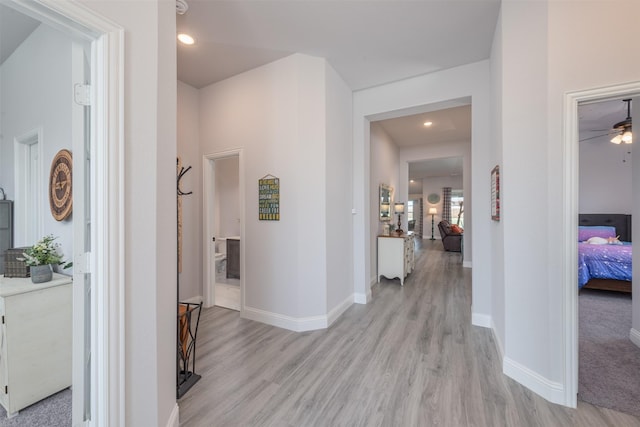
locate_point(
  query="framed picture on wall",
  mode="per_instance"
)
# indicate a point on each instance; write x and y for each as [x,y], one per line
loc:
[495,194]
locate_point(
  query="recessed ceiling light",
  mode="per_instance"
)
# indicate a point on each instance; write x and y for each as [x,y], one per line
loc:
[411,180]
[186,39]
[427,124]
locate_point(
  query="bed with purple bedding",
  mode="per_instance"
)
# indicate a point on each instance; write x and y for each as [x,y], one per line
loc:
[603,266]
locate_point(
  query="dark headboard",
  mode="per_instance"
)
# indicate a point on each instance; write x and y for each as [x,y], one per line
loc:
[622,223]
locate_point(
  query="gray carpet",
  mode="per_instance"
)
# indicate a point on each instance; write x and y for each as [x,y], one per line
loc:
[54,411]
[609,363]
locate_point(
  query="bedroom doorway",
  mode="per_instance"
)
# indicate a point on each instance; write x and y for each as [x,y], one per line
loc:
[608,362]
[223,213]
[571,210]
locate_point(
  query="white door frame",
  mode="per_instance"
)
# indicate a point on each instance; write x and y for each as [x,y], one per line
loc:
[25,214]
[570,223]
[208,185]
[106,262]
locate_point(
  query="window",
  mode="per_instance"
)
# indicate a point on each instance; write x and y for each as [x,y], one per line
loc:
[457,208]
[410,210]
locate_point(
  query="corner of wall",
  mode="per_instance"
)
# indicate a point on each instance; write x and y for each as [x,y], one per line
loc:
[174,418]
[634,336]
[550,390]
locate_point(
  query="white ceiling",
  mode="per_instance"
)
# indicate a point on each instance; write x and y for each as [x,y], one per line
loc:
[14,29]
[368,42]
[596,120]
[449,125]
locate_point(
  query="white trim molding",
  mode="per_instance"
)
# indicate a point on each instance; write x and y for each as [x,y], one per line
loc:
[482,320]
[365,298]
[28,214]
[108,395]
[194,300]
[498,343]
[296,324]
[569,226]
[550,390]
[634,336]
[338,310]
[174,417]
[208,188]
[359,298]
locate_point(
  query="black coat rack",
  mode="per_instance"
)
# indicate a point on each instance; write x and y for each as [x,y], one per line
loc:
[188,314]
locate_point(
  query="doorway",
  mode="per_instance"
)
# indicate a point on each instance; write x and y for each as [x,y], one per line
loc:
[91,241]
[224,244]
[570,223]
[28,165]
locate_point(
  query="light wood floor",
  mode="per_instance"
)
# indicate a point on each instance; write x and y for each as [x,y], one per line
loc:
[409,358]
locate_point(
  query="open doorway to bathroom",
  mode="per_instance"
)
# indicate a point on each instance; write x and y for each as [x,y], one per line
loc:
[223,218]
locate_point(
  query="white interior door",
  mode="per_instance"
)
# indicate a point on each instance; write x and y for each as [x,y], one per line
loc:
[81,142]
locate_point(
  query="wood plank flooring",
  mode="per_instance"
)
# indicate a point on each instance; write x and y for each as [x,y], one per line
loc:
[409,358]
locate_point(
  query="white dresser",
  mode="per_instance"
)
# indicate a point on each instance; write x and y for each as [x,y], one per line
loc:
[35,340]
[395,256]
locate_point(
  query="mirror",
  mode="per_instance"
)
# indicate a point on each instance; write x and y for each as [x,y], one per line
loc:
[385,202]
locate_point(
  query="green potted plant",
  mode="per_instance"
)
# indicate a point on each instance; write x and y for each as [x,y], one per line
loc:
[41,256]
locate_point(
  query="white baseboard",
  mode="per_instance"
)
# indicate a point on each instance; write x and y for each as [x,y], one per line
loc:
[174,418]
[496,339]
[483,320]
[466,264]
[550,390]
[339,309]
[634,336]
[194,300]
[296,324]
[360,298]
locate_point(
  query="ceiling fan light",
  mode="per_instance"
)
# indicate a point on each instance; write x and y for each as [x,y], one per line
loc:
[617,139]
[186,39]
[627,137]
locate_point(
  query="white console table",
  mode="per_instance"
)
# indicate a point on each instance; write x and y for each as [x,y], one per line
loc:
[35,340]
[395,256]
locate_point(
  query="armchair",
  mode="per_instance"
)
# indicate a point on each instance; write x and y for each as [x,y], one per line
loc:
[451,240]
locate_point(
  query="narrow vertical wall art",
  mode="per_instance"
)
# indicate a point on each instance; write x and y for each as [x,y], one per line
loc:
[495,194]
[269,198]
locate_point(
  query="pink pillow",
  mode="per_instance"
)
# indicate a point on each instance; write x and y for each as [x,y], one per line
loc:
[586,232]
[456,229]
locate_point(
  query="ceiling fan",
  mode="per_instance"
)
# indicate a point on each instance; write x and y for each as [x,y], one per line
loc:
[621,130]
[624,127]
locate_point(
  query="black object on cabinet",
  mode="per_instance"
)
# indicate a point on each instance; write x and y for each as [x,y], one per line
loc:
[6,229]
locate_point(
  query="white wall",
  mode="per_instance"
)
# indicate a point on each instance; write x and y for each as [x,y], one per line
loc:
[385,169]
[497,319]
[37,94]
[277,115]
[605,180]
[188,126]
[454,84]
[150,206]
[338,172]
[524,180]
[227,203]
[569,70]
[558,38]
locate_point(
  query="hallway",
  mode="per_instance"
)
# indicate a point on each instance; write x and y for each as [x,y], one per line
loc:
[408,358]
